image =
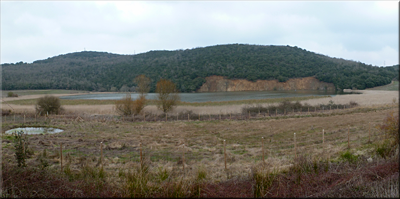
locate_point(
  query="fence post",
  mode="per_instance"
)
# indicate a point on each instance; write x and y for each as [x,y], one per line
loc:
[262,148]
[348,137]
[141,158]
[225,154]
[183,158]
[295,146]
[101,154]
[61,155]
[369,132]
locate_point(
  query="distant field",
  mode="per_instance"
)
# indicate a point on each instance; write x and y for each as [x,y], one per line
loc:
[394,86]
[42,92]
[152,102]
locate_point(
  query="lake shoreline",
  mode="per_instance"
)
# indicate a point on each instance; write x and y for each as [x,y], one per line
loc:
[366,98]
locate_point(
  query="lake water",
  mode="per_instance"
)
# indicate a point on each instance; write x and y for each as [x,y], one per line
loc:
[211,97]
[35,130]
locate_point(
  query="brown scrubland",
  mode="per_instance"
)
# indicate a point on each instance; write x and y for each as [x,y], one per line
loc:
[336,153]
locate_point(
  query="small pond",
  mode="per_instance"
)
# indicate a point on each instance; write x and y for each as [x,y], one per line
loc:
[35,130]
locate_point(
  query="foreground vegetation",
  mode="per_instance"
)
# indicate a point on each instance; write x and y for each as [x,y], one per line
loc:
[167,168]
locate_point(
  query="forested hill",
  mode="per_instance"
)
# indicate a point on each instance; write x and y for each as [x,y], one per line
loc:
[101,71]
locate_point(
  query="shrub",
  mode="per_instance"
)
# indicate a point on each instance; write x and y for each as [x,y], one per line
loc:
[390,127]
[127,106]
[48,104]
[167,95]
[347,156]
[11,94]
[21,148]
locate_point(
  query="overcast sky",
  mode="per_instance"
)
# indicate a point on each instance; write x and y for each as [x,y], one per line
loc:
[364,31]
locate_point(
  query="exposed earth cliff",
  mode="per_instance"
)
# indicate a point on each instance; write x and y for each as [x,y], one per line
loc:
[220,84]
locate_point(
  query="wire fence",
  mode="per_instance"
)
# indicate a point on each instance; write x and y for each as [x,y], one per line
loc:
[253,113]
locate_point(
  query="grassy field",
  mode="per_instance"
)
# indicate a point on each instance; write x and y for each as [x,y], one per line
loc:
[394,86]
[187,159]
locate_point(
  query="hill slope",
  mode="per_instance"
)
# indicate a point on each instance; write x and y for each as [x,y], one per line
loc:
[101,71]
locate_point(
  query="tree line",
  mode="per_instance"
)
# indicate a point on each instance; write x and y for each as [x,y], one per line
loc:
[101,71]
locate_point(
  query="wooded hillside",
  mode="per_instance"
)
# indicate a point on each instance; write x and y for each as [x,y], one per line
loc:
[101,71]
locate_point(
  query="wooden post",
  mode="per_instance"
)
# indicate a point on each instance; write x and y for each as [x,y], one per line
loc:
[225,154]
[141,158]
[262,148]
[295,146]
[369,132]
[61,156]
[323,136]
[183,158]
[101,154]
[348,137]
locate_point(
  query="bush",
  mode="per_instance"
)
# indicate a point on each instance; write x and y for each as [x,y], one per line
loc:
[127,106]
[11,94]
[48,104]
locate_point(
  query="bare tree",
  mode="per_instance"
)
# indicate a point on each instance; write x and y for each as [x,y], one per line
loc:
[143,84]
[168,95]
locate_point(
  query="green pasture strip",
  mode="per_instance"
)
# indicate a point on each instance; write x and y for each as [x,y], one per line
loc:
[394,86]
[153,102]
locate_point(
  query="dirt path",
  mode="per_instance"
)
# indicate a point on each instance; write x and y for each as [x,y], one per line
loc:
[367,98]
